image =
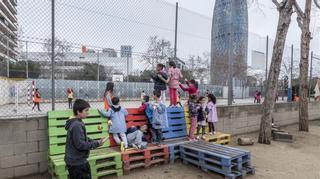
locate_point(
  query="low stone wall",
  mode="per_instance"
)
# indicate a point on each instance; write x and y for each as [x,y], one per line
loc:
[246,118]
[24,142]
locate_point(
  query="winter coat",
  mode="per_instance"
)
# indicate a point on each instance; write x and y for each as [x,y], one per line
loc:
[159,117]
[158,83]
[117,115]
[78,145]
[201,113]
[175,75]
[147,109]
[192,109]
[212,112]
[191,89]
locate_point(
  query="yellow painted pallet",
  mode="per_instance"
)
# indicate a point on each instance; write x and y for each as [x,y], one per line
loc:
[219,138]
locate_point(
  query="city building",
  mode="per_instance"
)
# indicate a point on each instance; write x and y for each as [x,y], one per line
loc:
[229,23]
[74,61]
[8,30]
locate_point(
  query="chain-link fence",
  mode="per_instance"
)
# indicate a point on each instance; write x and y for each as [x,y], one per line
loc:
[120,41]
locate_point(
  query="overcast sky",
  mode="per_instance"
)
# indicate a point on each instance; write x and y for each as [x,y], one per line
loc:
[113,23]
[263,18]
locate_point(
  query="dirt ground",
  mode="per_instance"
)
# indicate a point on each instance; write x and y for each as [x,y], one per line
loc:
[297,160]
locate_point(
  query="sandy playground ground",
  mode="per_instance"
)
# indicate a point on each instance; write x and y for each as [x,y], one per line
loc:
[297,160]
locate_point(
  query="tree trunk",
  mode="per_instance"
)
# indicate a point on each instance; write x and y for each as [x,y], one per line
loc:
[285,12]
[304,65]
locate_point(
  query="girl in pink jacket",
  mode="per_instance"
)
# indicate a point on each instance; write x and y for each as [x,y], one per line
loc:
[212,113]
[174,74]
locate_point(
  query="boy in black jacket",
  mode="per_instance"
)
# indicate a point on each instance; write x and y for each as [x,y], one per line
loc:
[78,145]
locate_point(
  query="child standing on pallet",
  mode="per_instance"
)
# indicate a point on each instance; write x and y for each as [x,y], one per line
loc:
[159,118]
[212,113]
[192,88]
[147,108]
[193,115]
[173,82]
[117,122]
[78,145]
[201,117]
[108,94]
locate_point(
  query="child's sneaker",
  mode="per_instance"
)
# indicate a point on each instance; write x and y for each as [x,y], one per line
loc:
[203,137]
[214,132]
[210,133]
[135,146]
[122,148]
[198,137]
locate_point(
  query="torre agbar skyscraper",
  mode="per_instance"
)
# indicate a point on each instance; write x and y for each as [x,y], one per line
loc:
[229,40]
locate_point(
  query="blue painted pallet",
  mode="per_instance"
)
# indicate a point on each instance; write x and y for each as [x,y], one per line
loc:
[174,147]
[228,161]
[176,123]
[174,131]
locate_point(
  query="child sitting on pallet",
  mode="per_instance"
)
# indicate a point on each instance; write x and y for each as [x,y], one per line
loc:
[159,118]
[78,145]
[135,137]
[117,122]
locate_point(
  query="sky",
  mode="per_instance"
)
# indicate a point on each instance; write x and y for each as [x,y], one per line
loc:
[263,19]
[110,24]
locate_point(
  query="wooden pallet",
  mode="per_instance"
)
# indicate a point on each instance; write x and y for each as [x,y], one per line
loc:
[174,147]
[96,128]
[230,162]
[176,123]
[133,159]
[103,162]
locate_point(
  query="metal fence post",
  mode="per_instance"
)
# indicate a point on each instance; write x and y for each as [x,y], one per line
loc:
[176,32]
[52,55]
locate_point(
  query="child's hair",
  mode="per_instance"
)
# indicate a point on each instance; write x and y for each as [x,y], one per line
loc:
[109,87]
[146,98]
[142,91]
[212,98]
[37,89]
[79,105]
[193,98]
[157,93]
[115,100]
[172,64]
[194,82]
[160,65]
[200,98]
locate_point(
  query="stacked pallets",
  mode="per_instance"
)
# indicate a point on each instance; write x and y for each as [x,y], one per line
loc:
[133,159]
[103,161]
[135,118]
[176,123]
[230,162]
[174,148]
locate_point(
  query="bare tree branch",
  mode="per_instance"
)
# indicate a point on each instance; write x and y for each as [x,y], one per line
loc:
[317,3]
[299,11]
[276,3]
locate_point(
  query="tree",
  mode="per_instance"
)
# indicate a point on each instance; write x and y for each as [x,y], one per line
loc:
[303,19]
[159,51]
[285,9]
[199,66]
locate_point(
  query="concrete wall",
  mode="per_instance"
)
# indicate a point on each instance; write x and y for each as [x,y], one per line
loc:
[24,142]
[23,147]
[244,119]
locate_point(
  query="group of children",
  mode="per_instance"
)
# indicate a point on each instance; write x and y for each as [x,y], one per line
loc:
[78,144]
[202,113]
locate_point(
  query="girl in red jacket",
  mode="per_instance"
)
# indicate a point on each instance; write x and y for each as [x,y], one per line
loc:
[192,87]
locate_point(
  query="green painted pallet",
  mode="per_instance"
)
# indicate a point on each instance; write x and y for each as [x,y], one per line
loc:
[103,162]
[96,128]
